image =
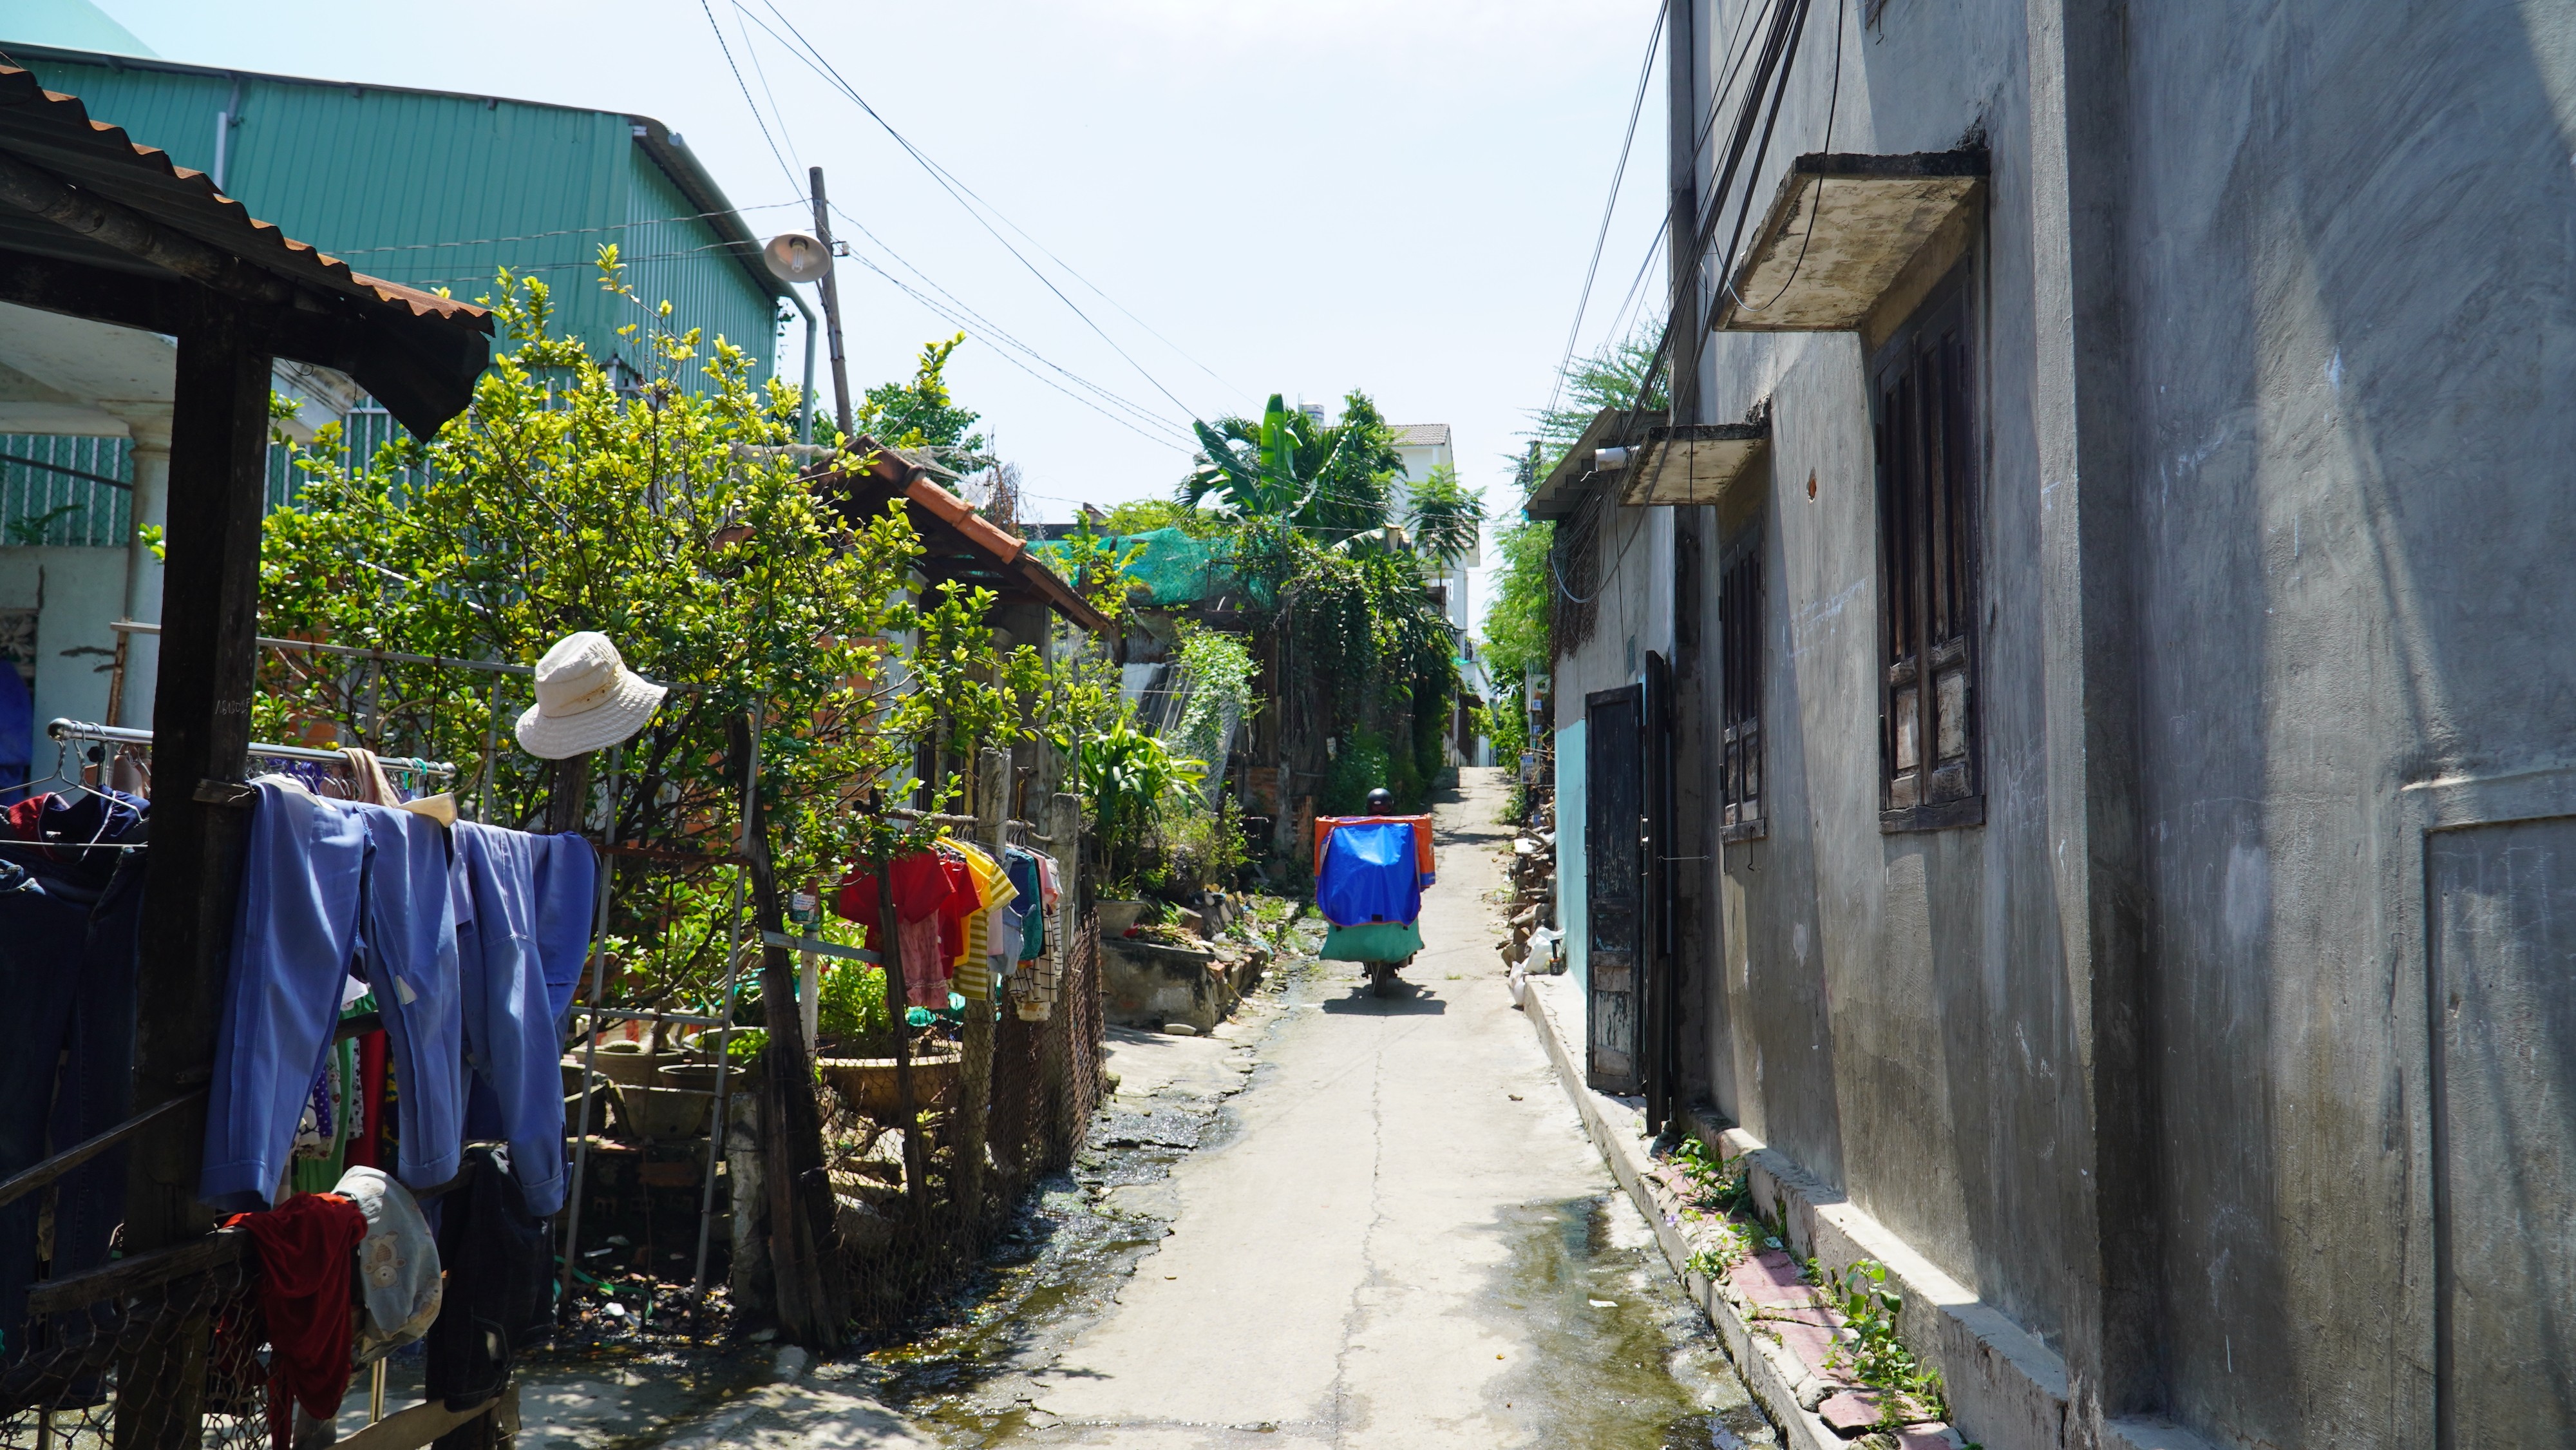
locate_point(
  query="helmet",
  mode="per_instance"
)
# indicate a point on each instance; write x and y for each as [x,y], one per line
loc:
[1381,802]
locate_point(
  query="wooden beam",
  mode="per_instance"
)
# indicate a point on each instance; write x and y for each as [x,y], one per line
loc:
[85,213]
[804,1251]
[121,299]
[220,1249]
[201,730]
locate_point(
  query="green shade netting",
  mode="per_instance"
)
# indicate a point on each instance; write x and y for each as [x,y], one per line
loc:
[1172,568]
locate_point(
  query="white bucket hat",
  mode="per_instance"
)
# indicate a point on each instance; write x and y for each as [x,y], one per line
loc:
[586,699]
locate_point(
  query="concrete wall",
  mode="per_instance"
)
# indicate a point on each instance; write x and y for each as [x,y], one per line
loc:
[2353,286]
[78,592]
[2276,519]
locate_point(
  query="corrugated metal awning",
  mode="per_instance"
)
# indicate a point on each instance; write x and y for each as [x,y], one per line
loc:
[80,193]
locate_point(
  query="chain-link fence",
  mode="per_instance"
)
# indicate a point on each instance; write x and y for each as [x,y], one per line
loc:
[164,1349]
[994,1111]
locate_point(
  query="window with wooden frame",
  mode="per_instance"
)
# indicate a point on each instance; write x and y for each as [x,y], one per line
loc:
[1739,630]
[1924,412]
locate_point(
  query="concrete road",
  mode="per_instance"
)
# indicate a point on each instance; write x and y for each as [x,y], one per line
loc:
[1408,1242]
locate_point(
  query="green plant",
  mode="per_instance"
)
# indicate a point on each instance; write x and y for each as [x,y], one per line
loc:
[1712,1260]
[920,415]
[667,512]
[1334,482]
[1126,774]
[1359,766]
[851,1003]
[1875,1355]
[1200,847]
[31,530]
[1218,669]
[1516,632]
[1444,515]
[1719,1183]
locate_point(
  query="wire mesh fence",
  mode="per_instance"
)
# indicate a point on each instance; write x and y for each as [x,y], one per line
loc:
[993,1111]
[163,1349]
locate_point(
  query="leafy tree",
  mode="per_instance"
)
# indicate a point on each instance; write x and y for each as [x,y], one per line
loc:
[1444,516]
[1608,378]
[1335,482]
[1516,629]
[1140,515]
[1126,775]
[668,516]
[921,415]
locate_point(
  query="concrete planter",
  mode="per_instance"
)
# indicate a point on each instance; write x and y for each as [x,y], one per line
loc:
[660,1113]
[868,1083]
[1145,985]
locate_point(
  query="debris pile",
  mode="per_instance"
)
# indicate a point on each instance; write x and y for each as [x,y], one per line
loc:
[1534,942]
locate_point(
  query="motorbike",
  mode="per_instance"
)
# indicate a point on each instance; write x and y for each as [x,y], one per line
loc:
[1369,875]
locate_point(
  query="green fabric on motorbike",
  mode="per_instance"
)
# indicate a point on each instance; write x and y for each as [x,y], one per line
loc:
[1372,941]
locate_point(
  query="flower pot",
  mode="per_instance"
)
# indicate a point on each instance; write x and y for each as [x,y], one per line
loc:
[1117,916]
[623,1061]
[868,1083]
[701,1077]
[663,1112]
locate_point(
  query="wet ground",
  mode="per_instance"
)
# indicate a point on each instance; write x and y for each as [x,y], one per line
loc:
[1339,1221]
[1344,1221]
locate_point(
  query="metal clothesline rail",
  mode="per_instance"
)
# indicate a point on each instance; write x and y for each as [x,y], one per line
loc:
[65,729]
[382,656]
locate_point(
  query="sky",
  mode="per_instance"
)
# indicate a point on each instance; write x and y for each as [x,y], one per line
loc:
[1234,197]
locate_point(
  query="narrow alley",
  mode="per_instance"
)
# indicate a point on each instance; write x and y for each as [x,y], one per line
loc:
[1409,1236]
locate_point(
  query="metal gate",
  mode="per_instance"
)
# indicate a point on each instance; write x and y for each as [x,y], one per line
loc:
[1613,886]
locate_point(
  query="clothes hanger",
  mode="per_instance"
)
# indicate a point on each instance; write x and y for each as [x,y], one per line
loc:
[62,750]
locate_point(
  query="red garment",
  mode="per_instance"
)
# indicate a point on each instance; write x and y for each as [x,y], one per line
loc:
[364,1149]
[307,1246]
[925,883]
[24,819]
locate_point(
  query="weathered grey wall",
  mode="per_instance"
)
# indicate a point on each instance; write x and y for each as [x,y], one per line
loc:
[1900,1016]
[2343,244]
[2355,341]
[1632,613]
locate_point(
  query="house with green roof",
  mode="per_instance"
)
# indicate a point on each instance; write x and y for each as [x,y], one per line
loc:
[432,189]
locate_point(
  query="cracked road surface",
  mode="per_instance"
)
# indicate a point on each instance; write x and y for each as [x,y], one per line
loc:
[1406,1241]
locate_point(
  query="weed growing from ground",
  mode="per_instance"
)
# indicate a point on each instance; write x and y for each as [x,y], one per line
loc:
[1876,1357]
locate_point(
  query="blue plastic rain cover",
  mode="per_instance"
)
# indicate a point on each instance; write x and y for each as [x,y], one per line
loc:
[1369,874]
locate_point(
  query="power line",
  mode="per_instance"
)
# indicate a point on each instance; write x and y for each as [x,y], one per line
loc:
[935,307]
[694,216]
[775,110]
[740,84]
[805,51]
[994,330]
[1609,207]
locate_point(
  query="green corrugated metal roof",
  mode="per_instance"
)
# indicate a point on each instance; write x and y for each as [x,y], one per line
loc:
[436,189]
[71,25]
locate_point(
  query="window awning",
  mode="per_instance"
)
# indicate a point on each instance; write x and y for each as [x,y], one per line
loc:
[1692,463]
[1845,234]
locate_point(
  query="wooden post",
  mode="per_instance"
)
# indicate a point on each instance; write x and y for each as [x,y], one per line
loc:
[568,795]
[804,1250]
[201,731]
[975,1057]
[1056,1059]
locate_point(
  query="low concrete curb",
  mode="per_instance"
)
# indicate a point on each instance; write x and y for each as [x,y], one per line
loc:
[2004,1386]
[1780,1382]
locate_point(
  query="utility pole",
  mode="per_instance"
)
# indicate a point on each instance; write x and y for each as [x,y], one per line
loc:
[832,308]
